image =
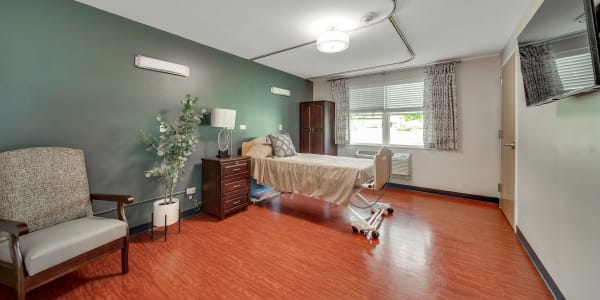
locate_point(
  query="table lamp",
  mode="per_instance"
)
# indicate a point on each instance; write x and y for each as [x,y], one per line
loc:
[224,119]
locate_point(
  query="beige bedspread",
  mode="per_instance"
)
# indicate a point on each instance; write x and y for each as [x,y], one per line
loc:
[329,178]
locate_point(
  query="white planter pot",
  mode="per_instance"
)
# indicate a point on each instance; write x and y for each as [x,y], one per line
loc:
[169,210]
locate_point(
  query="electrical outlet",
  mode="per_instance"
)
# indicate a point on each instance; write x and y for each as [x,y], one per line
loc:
[190,191]
[242,127]
[280,126]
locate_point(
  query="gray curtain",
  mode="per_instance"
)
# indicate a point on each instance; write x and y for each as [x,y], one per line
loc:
[341,97]
[540,75]
[440,111]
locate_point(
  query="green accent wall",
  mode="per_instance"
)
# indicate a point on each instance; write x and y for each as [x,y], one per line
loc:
[67,79]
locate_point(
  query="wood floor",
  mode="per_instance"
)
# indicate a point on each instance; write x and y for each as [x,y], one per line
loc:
[433,247]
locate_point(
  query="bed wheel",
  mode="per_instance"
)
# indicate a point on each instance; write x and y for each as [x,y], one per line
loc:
[372,211]
[354,229]
[374,235]
[362,232]
[390,210]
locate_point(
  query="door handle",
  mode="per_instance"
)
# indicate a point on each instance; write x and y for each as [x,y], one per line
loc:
[512,146]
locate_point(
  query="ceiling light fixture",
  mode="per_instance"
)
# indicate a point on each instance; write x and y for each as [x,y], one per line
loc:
[333,40]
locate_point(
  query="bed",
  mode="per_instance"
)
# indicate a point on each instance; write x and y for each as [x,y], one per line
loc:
[334,179]
[330,178]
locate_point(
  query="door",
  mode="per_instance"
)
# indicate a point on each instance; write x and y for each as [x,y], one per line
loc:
[507,187]
[305,134]
[316,124]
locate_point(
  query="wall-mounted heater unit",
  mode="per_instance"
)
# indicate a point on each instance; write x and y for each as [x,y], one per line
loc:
[280,91]
[401,166]
[154,64]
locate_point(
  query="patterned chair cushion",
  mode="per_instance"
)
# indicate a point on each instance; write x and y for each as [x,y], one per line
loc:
[43,186]
[282,145]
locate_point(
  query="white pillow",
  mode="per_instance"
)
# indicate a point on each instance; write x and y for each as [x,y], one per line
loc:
[260,150]
[261,140]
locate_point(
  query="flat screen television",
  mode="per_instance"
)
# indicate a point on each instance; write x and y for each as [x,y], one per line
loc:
[559,51]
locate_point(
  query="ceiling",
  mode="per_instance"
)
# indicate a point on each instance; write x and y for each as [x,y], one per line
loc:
[436,30]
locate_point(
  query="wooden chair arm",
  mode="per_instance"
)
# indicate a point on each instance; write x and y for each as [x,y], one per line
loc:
[126,199]
[120,199]
[13,227]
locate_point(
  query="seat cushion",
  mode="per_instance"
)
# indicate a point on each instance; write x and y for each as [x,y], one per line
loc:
[53,245]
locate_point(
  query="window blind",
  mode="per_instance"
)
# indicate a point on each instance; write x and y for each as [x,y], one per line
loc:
[371,98]
[395,97]
[575,71]
[404,96]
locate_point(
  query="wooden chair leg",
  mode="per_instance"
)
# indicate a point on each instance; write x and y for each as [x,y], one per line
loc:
[125,257]
[20,289]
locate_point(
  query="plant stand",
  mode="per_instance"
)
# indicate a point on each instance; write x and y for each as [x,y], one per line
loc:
[165,226]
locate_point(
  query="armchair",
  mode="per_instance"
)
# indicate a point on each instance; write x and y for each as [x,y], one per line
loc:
[47,228]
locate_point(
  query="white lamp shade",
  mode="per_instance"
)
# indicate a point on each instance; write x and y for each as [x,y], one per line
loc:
[224,118]
[333,41]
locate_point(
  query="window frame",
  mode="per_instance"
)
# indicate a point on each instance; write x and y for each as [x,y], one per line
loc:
[385,116]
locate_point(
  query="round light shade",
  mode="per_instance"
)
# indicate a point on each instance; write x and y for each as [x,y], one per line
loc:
[332,41]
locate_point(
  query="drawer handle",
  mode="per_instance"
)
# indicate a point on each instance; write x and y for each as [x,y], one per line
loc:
[235,166]
[237,169]
[237,186]
[236,202]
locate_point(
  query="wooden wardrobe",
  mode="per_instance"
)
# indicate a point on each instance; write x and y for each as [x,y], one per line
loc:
[317,127]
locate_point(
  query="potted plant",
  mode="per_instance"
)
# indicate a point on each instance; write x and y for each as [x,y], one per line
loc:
[174,145]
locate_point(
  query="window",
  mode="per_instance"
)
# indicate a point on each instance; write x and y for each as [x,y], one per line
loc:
[387,114]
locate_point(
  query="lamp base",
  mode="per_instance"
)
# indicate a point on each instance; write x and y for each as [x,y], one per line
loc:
[223,154]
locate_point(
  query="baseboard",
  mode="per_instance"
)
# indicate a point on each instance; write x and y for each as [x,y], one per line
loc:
[494,200]
[146,226]
[540,267]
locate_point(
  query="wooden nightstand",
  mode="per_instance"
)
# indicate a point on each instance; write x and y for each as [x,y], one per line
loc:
[225,185]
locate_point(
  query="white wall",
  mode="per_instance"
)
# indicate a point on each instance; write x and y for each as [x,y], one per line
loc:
[475,169]
[322,90]
[558,198]
[558,186]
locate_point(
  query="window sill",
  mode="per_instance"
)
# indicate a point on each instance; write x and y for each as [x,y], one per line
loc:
[389,146]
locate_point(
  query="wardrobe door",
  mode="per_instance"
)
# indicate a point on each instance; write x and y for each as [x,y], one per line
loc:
[305,130]
[316,124]
[329,146]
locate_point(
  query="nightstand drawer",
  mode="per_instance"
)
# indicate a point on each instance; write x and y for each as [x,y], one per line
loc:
[235,186]
[234,200]
[234,168]
[225,185]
